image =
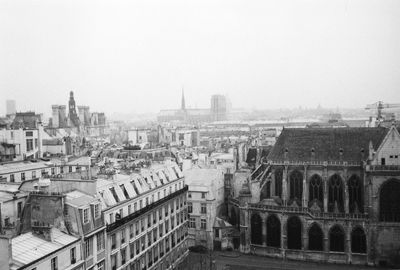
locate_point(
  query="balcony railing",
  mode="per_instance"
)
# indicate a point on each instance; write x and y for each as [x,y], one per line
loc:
[315,162]
[124,220]
[383,168]
[306,211]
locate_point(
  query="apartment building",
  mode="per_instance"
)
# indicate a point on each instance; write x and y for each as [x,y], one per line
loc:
[146,219]
[205,203]
[45,248]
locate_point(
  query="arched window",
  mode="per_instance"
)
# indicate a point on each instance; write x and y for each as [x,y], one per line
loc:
[336,239]
[296,186]
[316,190]
[358,241]
[256,230]
[278,182]
[294,233]
[389,201]
[355,188]
[315,238]
[335,200]
[273,231]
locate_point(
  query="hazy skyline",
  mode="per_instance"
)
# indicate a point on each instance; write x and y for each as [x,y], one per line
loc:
[135,56]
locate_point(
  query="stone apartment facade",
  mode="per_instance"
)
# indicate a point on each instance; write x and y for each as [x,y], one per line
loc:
[146,219]
[325,194]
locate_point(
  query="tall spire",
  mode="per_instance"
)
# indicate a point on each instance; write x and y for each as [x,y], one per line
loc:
[183,106]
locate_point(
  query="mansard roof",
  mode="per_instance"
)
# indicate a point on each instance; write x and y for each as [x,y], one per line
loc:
[326,144]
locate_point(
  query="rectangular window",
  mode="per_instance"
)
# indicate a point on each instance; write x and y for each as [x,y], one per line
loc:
[166,210]
[12,179]
[89,247]
[135,207]
[100,241]
[113,241]
[149,239]
[23,176]
[190,207]
[160,214]
[53,171]
[70,169]
[96,210]
[129,209]
[131,231]
[29,145]
[123,256]
[73,255]
[33,174]
[132,250]
[161,229]
[137,228]
[149,221]
[123,236]
[54,263]
[192,222]
[166,226]
[61,169]
[203,224]
[114,262]
[189,195]
[203,195]
[85,215]
[203,208]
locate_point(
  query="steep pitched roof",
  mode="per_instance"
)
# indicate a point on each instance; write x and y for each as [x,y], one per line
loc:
[326,143]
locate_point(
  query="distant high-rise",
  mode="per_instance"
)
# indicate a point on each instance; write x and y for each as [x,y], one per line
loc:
[218,107]
[11,107]
[183,105]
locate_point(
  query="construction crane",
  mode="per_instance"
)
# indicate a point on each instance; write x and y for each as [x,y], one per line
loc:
[379,106]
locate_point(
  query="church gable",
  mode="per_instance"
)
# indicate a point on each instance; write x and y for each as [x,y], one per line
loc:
[388,152]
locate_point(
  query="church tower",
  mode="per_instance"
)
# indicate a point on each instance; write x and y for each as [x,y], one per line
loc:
[73,116]
[183,106]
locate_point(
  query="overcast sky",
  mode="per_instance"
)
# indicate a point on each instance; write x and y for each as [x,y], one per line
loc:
[135,56]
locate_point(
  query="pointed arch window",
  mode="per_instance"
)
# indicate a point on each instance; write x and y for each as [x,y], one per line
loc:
[358,241]
[256,230]
[294,233]
[335,200]
[278,182]
[336,239]
[273,231]
[389,201]
[296,186]
[315,238]
[355,189]
[315,189]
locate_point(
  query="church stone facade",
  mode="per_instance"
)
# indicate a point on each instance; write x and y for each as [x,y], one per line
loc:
[324,194]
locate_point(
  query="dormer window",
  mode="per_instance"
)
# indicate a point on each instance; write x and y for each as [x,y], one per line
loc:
[96,209]
[85,215]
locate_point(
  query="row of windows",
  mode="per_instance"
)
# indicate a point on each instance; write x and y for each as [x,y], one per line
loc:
[156,252]
[316,191]
[139,227]
[43,172]
[294,235]
[203,207]
[203,195]
[88,245]
[192,223]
